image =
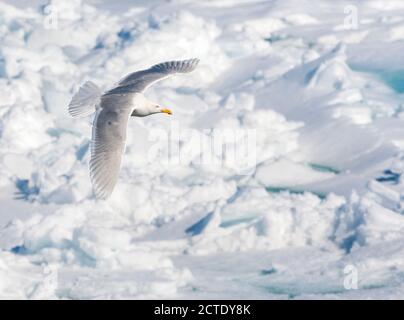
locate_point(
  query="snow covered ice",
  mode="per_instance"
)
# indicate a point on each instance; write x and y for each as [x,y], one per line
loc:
[319,83]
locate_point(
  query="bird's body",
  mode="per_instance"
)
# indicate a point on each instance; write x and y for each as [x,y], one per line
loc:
[113,110]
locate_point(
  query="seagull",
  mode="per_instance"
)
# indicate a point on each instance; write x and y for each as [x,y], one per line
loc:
[113,109]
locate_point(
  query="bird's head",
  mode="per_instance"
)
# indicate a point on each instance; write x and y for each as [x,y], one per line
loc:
[160,109]
[143,112]
[154,107]
[145,107]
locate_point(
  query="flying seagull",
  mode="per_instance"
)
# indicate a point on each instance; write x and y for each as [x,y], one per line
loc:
[112,111]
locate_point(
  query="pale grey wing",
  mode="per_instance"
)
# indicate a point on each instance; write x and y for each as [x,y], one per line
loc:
[140,80]
[107,146]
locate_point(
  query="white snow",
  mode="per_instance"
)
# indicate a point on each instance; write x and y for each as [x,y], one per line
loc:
[281,166]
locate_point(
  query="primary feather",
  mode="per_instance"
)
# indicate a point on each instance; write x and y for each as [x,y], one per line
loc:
[139,81]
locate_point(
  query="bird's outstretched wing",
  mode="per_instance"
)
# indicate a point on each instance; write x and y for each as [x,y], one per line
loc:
[139,81]
[108,143]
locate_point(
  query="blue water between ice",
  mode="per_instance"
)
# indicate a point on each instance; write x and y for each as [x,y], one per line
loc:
[392,78]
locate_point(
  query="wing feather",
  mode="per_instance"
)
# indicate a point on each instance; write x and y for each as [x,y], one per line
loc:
[139,81]
[108,144]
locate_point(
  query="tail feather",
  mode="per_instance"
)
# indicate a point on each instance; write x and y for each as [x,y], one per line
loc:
[85,100]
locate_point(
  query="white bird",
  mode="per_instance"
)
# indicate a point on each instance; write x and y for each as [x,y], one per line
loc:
[113,109]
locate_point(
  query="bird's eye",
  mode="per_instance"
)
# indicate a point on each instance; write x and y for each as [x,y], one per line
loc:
[157,107]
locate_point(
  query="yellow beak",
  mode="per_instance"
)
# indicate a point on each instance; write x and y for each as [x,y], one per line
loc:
[168,111]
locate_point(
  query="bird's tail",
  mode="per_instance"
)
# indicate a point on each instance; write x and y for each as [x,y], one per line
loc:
[85,100]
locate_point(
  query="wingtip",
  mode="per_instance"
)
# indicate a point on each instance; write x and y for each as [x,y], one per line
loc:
[101,197]
[100,193]
[195,61]
[192,63]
